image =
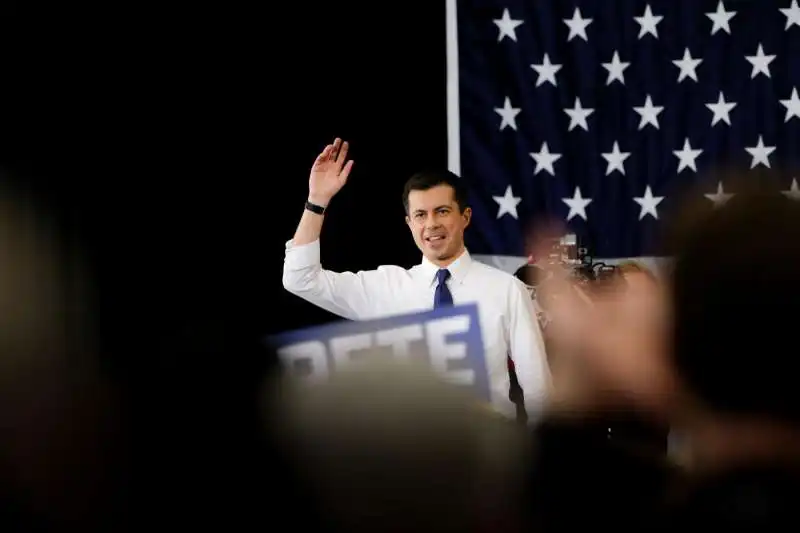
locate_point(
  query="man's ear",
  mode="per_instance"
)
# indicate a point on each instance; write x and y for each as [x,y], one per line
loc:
[467,214]
[408,221]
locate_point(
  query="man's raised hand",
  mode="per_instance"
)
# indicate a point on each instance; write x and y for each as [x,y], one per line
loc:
[329,173]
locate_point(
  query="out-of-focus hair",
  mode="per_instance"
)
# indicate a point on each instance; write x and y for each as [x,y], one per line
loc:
[56,411]
[389,447]
[735,288]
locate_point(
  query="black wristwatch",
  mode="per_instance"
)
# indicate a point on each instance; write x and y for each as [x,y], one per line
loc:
[314,208]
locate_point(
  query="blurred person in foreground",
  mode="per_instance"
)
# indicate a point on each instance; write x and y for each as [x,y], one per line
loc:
[735,293]
[599,453]
[717,365]
[202,451]
[387,446]
[183,444]
[631,295]
[642,288]
[437,215]
[58,415]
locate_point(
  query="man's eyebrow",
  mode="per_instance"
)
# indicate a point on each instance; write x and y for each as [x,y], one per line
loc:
[443,206]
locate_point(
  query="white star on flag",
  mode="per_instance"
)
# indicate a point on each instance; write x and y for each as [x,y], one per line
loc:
[794,191]
[721,18]
[721,110]
[546,71]
[578,115]
[508,114]
[544,160]
[507,26]
[792,105]
[687,156]
[760,62]
[792,14]
[688,66]
[577,205]
[648,203]
[507,203]
[760,153]
[615,69]
[649,113]
[615,159]
[577,25]
[720,197]
[648,22]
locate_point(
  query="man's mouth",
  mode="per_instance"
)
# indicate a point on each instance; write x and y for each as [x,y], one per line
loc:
[435,238]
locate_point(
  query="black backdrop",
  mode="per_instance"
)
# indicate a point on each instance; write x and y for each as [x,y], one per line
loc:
[173,139]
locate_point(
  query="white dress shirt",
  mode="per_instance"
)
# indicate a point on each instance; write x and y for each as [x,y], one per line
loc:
[507,317]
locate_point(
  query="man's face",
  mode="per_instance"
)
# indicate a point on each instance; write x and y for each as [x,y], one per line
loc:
[436,223]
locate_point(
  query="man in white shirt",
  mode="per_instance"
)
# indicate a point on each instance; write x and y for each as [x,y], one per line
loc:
[437,215]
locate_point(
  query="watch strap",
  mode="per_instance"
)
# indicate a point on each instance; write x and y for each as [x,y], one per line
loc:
[314,208]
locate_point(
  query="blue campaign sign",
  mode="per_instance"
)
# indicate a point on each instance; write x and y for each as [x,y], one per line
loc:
[447,339]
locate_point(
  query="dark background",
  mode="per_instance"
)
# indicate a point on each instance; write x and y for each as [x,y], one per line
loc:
[173,141]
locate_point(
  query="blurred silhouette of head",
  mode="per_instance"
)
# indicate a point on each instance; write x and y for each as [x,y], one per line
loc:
[54,404]
[735,293]
[388,447]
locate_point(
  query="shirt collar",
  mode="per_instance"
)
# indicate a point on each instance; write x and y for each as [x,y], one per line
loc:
[458,268]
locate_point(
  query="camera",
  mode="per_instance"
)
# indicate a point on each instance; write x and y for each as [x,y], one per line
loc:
[570,256]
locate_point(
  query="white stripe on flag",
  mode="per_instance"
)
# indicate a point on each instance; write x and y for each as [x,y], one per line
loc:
[510,263]
[453,125]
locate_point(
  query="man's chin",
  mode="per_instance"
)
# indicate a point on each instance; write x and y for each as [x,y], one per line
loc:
[438,255]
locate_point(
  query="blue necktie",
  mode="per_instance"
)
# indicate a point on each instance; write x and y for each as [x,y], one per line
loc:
[442,296]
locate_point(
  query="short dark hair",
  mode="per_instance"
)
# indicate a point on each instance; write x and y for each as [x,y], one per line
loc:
[428,179]
[735,288]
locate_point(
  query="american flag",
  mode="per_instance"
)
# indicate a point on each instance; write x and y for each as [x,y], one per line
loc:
[597,113]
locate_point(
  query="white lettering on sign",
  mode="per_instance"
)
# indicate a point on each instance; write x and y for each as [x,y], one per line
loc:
[400,339]
[342,347]
[441,352]
[315,360]
[311,354]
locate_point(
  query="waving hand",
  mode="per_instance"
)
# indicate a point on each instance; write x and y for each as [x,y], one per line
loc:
[329,173]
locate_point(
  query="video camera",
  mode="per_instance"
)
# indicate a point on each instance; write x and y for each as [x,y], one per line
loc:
[575,259]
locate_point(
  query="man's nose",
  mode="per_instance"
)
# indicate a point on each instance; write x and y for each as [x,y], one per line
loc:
[432,223]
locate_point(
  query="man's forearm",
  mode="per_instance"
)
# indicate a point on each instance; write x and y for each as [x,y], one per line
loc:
[310,226]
